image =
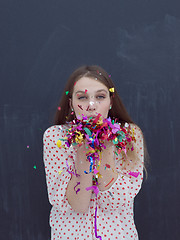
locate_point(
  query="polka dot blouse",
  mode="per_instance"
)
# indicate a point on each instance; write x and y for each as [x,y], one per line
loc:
[115,217]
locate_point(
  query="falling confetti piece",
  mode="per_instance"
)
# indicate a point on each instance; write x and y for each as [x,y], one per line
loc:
[27,146]
[85,90]
[59,108]
[59,143]
[111,89]
[34,167]
[67,92]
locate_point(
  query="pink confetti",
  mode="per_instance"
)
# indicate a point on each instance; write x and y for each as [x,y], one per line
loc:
[94,188]
[134,174]
[95,171]
[59,108]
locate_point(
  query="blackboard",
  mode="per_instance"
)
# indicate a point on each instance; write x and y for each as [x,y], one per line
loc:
[41,43]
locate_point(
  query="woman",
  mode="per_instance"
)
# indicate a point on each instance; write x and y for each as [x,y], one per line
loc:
[77,213]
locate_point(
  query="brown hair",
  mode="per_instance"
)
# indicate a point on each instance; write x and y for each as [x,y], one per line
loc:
[118,110]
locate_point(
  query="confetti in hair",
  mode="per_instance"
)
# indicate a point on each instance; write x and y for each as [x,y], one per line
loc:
[111,89]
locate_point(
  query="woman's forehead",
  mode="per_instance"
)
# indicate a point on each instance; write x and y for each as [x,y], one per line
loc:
[86,83]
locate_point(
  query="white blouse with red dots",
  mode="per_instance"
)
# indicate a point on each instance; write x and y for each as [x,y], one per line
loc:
[115,215]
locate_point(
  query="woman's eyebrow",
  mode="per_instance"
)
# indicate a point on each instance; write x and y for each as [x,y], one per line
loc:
[100,90]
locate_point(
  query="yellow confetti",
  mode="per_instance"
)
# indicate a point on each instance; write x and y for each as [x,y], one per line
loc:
[111,89]
[59,143]
[60,172]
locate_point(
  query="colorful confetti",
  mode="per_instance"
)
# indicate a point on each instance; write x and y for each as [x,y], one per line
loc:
[94,132]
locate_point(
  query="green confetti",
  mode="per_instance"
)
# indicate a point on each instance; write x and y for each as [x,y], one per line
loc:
[116,153]
[67,92]
[87,131]
[34,167]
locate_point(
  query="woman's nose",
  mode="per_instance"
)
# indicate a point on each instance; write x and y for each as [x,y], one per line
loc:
[92,106]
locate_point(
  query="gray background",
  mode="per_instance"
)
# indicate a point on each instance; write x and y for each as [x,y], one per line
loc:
[41,43]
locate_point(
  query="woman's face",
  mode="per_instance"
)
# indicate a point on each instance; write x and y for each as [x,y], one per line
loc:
[90,97]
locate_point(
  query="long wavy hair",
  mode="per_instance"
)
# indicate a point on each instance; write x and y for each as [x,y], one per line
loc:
[118,110]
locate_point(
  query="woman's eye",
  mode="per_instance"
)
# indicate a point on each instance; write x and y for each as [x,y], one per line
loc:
[100,97]
[82,97]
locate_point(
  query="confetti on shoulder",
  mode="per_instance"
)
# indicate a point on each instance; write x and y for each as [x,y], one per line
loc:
[134,174]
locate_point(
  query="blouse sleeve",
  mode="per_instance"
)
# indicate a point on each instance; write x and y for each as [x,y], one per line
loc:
[57,161]
[128,184]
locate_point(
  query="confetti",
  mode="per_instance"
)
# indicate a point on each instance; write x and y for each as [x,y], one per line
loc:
[110,182]
[95,171]
[134,174]
[94,132]
[28,146]
[107,165]
[59,108]
[111,194]
[94,188]
[95,223]
[88,109]
[78,190]
[80,107]
[34,167]
[111,89]
[67,92]
[85,90]
[59,143]
[60,172]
